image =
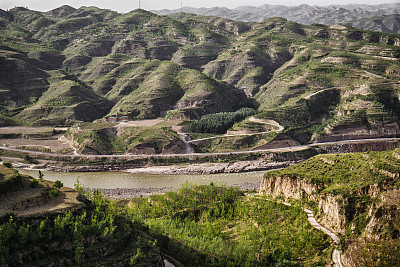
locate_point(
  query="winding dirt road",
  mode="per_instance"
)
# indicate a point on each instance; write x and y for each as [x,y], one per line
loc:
[252,119]
[282,149]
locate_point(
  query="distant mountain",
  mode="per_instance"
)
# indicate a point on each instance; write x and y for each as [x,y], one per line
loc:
[389,23]
[304,14]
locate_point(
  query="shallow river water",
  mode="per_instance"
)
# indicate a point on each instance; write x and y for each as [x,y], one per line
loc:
[113,180]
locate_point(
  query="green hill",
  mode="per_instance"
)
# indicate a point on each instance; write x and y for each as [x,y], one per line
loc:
[320,82]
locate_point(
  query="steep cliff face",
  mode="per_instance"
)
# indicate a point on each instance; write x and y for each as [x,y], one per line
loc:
[298,189]
[355,195]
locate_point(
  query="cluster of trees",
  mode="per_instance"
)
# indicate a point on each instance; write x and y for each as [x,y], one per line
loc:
[219,123]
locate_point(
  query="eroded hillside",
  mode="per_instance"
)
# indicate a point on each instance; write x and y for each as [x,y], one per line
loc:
[319,82]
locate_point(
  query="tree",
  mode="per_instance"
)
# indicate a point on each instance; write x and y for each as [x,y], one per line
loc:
[7,164]
[40,176]
[54,193]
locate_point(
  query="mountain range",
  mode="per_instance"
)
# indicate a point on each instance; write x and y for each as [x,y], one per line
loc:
[320,82]
[373,17]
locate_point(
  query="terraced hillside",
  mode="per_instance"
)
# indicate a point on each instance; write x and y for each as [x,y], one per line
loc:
[356,195]
[320,82]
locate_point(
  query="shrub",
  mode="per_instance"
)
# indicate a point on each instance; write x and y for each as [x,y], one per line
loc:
[58,184]
[7,164]
[34,183]
[54,193]
[40,176]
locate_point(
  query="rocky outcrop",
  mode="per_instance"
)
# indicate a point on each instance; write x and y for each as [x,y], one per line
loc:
[334,211]
[299,189]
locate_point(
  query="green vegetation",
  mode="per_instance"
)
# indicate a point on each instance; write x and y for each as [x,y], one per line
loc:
[40,176]
[218,226]
[156,138]
[54,193]
[100,139]
[7,164]
[93,63]
[34,183]
[58,184]
[220,122]
[96,126]
[346,173]
[72,238]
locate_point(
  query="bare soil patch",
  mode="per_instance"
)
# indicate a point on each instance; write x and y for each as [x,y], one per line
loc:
[32,201]
[67,200]
[25,130]
[143,123]
[54,143]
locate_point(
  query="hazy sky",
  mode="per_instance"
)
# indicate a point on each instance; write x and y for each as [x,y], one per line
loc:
[125,6]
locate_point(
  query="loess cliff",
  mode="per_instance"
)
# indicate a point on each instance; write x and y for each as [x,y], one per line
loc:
[355,195]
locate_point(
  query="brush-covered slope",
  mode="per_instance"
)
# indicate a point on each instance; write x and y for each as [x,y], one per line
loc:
[103,138]
[64,102]
[340,82]
[357,195]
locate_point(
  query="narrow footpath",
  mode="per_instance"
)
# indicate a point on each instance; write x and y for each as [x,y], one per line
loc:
[336,254]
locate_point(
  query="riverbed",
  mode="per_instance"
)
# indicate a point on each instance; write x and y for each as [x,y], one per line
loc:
[122,180]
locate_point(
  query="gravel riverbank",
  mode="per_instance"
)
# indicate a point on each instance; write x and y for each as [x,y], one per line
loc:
[201,168]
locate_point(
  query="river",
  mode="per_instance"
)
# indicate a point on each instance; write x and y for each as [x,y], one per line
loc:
[113,180]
